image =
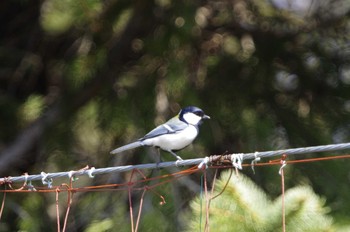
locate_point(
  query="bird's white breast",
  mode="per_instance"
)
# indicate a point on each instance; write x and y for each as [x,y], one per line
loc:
[174,141]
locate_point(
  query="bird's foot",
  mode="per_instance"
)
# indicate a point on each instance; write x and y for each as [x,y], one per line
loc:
[177,157]
[177,162]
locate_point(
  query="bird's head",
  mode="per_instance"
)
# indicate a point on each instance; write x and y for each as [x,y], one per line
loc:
[192,115]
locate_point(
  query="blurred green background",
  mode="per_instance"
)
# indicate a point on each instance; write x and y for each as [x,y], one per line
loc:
[82,77]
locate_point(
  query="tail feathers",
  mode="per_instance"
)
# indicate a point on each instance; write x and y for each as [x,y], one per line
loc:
[127,147]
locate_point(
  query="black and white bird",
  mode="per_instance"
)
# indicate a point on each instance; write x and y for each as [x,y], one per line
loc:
[174,135]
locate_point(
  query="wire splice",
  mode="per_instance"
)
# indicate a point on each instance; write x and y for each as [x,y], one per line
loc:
[237,160]
[90,172]
[255,160]
[204,163]
[45,180]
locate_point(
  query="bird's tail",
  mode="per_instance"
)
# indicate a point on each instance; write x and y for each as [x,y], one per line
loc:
[127,147]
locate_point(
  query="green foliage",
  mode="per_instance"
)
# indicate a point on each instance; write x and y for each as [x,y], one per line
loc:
[29,220]
[59,16]
[81,77]
[243,206]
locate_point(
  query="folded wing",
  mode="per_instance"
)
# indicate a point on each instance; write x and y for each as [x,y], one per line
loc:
[172,126]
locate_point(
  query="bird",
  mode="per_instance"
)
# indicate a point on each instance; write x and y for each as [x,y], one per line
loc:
[174,135]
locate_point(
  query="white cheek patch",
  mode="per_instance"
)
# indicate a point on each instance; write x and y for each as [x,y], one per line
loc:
[191,118]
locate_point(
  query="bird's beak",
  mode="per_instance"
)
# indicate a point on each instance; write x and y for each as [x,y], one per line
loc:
[205,117]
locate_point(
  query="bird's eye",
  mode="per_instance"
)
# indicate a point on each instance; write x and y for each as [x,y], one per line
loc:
[198,113]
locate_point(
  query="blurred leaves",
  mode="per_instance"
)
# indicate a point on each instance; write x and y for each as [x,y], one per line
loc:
[59,16]
[243,206]
[84,77]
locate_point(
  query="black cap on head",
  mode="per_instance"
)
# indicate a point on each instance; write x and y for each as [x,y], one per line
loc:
[195,110]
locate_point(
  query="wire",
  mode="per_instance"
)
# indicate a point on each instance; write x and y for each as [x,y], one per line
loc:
[47,178]
[296,151]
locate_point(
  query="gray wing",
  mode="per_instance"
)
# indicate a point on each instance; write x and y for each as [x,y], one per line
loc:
[172,126]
